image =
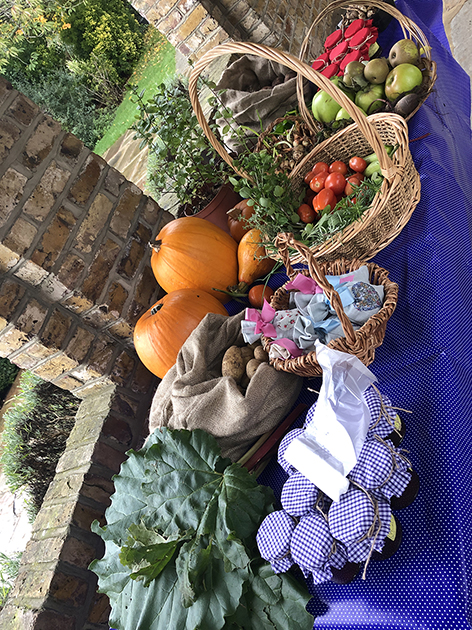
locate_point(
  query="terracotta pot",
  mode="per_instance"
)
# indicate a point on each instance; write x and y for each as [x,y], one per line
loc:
[216,210]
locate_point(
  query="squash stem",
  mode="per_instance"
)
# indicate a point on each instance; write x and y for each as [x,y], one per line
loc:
[156,246]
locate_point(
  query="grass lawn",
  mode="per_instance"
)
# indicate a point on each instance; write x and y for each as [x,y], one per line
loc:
[156,65]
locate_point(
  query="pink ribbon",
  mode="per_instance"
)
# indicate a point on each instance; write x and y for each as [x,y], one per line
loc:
[289,345]
[263,319]
[304,284]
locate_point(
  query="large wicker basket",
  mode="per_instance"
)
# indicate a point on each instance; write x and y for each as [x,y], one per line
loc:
[362,342]
[400,192]
[329,15]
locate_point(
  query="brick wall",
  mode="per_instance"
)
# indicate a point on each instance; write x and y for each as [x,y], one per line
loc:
[74,277]
[194,27]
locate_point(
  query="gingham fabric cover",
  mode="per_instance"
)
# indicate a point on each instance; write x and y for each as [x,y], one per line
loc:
[380,468]
[298,495]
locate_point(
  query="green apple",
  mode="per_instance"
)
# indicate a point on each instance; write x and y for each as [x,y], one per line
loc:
[366,97]
[404,51]
[324,107]
[401,80]
[343,114]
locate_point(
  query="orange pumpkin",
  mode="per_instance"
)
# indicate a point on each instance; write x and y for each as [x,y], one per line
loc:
[237,223]
[251,261]
[191,253]
[161,331]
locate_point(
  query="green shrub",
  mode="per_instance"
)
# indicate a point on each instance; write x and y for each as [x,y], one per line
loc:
[8,373]
[62,96]
[108,29]
[36,429]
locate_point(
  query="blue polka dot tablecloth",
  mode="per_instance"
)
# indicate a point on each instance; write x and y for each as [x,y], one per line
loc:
[425,366]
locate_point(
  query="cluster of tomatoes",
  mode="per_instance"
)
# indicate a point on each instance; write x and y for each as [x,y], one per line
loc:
[327,184]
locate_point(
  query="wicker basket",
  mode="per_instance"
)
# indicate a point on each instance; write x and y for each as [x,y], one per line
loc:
[409,29]
[362,342]
[400,192]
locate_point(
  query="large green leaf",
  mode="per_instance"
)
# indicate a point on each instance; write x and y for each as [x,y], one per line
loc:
[271,602]
[180,542]
[159,605]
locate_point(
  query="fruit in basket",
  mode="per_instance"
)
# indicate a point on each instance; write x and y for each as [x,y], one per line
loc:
[324,198]
[404,51]
[370,99]
[402,79]
[192,253]
[354,74]
[336,182]
[306,213]
[324,106]
[162,330]
[376,70]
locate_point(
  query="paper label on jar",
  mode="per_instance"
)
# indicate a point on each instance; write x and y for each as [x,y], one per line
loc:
[392,534]
[398,423]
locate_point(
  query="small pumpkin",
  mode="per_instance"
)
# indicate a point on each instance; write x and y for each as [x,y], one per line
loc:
[237,216]
[162,330]
[191,253]
[252,261]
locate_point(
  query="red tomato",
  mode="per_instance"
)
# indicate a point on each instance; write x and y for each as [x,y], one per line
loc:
[324,198]
[306,213]
[360,176]
[320,167]
[357,164]
[351,180]
[337,183]
[258,293]
[308,177]
[338,167]
[318,181]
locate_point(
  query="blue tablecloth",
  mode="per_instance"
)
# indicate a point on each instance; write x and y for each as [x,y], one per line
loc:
[424,365]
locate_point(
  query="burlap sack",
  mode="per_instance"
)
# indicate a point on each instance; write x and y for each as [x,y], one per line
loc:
[194,395]
[255,105]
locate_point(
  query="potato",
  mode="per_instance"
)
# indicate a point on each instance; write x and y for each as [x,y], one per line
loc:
[247,353]
[252,366]
[233,364]
[260,354]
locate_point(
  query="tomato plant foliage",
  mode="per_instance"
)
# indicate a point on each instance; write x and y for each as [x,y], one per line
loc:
[180,543]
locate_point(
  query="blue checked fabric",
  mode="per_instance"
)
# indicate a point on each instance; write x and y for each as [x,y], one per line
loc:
[274,534]
[380,468]
[311,545]
[298,495]
[350,521]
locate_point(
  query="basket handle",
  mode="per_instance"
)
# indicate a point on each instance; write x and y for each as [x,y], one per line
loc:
[387,167]
[408,27]
[284,241]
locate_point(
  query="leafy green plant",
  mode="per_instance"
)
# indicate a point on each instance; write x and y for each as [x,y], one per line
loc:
[9,567]
[34,437]
[8,373]
[61,95]
[185,163]
[107,29]
[180,543]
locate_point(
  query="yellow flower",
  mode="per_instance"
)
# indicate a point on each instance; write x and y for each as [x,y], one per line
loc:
[64,26]
[19,31]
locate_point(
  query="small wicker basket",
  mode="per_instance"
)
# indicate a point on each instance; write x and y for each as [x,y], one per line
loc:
[400,191]
[409,29]
[362,342]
